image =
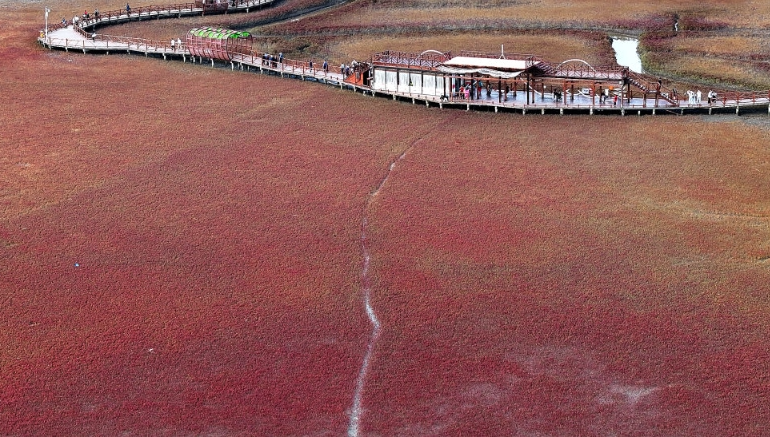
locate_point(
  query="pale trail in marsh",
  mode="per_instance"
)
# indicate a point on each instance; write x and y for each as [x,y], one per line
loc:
[357,408]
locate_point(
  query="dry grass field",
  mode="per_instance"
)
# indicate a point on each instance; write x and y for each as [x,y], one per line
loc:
[582,13]
[719,57]
[180,249]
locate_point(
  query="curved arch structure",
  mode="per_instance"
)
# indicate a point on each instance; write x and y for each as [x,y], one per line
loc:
[576,61]
[431,51]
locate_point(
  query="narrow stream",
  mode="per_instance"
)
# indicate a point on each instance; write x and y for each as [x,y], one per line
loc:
[627,52]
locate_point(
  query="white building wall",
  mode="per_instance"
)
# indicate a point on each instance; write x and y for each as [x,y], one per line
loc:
[428,83]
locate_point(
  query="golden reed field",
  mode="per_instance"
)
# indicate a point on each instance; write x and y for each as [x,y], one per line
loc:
[193,251]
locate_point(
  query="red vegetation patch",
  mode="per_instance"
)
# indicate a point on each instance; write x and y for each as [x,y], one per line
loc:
[532,284]
[179,253]
[180,247]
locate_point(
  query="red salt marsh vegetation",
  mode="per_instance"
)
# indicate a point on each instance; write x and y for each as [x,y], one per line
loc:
[199,284]
[180,254]
[607,286]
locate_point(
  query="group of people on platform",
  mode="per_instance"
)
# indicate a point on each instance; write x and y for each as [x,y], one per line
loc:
[604,96]
[347,70]
[476,89]
[696,97]
[81,20]
[274,61]
[472,89]
[270,60]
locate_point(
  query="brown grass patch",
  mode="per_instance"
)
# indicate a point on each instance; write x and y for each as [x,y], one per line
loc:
[734,45]
[552,12]
[593,48]
[711,70]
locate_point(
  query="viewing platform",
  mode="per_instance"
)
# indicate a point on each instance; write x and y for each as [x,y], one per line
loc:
[525,85]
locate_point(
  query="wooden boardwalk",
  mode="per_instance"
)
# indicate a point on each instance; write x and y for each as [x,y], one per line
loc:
[83,37]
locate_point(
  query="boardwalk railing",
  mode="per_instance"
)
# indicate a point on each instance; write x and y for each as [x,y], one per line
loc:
[103,42]
[115,16]
[579,70]
[156,11]
[422,60]
[290,66]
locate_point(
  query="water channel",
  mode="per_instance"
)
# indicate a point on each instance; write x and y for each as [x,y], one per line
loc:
[626,52]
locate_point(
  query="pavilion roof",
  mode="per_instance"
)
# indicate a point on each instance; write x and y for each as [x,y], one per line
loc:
[210,32]
[497,64]
[503,68]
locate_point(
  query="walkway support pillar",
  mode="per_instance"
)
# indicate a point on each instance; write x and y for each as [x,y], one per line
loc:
[527,89]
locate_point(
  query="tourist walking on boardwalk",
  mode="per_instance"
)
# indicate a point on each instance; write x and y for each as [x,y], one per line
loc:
[173,43]
[326,66]
[179,44]
[310,65]
[698,97]
[128,9]
[280,57]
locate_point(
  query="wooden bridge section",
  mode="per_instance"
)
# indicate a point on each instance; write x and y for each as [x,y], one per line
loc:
[572,86]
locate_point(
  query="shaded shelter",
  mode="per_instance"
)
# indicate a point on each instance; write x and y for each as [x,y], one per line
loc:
[219,44]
